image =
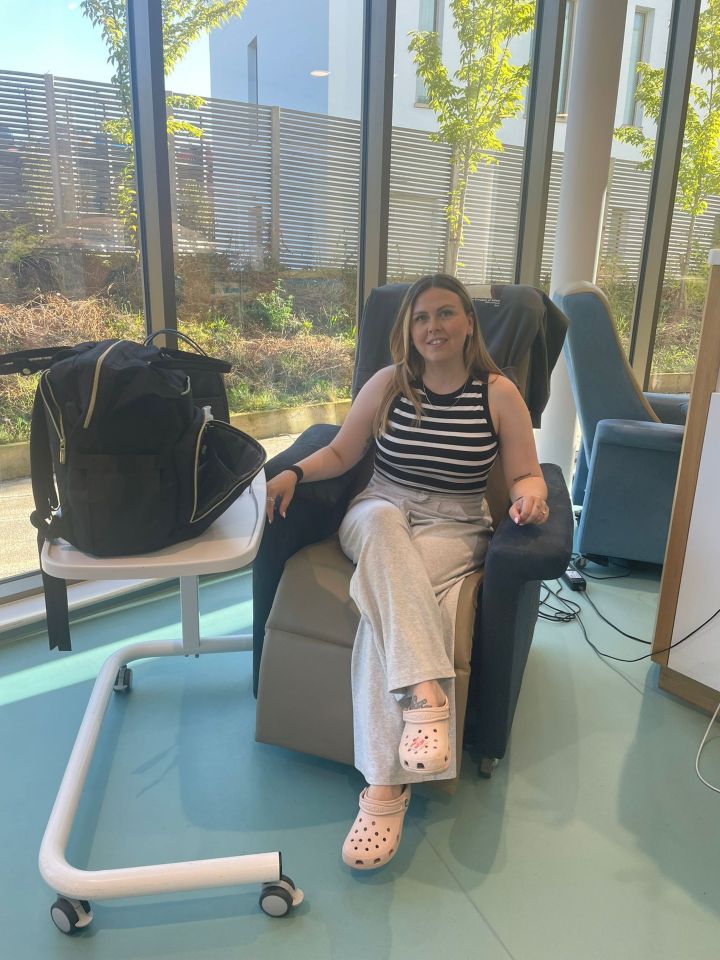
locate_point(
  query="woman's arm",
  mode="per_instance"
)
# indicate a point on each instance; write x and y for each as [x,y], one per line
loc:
[518,455]
[349,445]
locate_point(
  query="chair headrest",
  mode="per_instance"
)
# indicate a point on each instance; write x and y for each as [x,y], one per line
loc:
[583,286]
[602,380]
[509,322]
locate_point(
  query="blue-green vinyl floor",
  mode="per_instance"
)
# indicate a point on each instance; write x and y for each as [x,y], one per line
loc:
[593,840]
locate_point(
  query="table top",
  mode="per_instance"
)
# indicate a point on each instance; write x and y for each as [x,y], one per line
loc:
[230,543]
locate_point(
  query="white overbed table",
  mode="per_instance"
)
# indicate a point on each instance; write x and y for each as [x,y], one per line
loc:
[229,544]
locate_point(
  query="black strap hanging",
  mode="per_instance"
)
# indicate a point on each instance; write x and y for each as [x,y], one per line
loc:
[46,502]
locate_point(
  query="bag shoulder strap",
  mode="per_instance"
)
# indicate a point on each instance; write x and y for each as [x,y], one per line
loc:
[46,500]
[30,361]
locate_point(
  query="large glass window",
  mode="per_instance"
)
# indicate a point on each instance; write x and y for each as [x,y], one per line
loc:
[696,215]
[457,167]
[639,45]
[68,262]
[264,143]
[629,175]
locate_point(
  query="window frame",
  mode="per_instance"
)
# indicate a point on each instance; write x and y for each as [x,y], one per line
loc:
[566,57]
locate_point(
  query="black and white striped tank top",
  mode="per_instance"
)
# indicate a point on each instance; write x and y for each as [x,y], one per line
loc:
[451,449]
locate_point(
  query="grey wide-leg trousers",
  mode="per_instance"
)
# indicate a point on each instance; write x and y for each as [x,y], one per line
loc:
[412,549]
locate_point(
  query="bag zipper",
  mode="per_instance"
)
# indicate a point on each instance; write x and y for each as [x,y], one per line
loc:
[60,430]
[207,417]
[96,384]
[193,518]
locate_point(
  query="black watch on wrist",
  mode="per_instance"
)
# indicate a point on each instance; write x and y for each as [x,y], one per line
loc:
[298,471]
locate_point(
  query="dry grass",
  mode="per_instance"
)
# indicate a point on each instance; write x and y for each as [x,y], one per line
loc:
[268,371]
[52,320]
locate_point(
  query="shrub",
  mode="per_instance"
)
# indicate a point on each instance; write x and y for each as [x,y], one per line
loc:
[275,309]
[269,370]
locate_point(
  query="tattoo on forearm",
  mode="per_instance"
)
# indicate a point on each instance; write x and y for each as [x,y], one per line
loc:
[368,444]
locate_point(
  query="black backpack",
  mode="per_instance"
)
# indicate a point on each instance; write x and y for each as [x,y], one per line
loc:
[123,461]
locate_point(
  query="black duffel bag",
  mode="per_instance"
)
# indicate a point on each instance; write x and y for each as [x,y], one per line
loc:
[123,460]
[205,373]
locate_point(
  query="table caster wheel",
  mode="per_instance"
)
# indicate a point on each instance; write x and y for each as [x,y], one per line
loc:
[123,680]
[69,916]
[278,898]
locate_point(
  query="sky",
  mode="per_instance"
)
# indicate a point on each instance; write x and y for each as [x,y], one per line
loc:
[53,36]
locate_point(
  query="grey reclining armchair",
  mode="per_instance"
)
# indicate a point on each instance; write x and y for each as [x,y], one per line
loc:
[304,621]
[631,442]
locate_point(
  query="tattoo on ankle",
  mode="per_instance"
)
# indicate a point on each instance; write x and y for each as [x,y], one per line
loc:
[416,704]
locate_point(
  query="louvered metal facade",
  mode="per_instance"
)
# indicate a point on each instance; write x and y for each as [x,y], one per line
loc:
[265,182]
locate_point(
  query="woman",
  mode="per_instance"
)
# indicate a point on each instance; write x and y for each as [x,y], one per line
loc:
[438,416]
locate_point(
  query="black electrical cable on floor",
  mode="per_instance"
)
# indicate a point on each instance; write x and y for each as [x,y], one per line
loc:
[611,624]
[570,611]
[570,615]
[581,568]
[564,614]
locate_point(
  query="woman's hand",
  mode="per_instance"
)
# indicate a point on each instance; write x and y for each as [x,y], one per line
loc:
[280,491]
[529,509]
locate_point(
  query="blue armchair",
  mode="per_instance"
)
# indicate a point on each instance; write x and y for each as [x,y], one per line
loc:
[627,466]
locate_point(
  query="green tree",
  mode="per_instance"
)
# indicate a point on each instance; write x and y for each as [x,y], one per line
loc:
[699,173]
[183,22]
[471,105]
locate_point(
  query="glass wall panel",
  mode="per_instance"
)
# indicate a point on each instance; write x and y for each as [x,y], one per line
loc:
[645,43]
[68,261]
[264,143]
[455,183]
[696,219]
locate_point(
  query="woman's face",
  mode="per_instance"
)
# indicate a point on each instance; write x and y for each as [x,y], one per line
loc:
[439,325]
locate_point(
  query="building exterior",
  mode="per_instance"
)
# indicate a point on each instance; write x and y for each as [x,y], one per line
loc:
[308,57]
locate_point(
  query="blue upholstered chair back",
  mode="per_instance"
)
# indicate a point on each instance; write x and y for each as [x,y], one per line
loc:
[601,378]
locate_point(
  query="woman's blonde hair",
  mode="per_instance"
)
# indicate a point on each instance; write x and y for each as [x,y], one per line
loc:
[409,364]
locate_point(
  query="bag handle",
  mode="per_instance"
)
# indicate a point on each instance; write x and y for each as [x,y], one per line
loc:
[175,333]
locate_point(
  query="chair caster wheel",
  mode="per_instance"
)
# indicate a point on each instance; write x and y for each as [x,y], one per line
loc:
[123,680]
[277,899]
[69,916]
[487,767]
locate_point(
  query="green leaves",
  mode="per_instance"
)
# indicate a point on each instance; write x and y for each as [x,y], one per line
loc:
[183,22]
[699,172]
[486,89]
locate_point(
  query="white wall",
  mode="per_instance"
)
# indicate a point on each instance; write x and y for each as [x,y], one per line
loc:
[699,657]
[346,56]
[345,19]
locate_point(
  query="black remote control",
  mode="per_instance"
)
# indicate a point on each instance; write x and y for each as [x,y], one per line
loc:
[575,580]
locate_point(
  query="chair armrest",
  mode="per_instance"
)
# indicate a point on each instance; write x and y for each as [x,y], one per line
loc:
[670,407]
[328,492]
[533,552]
[518,558]
[664,437]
